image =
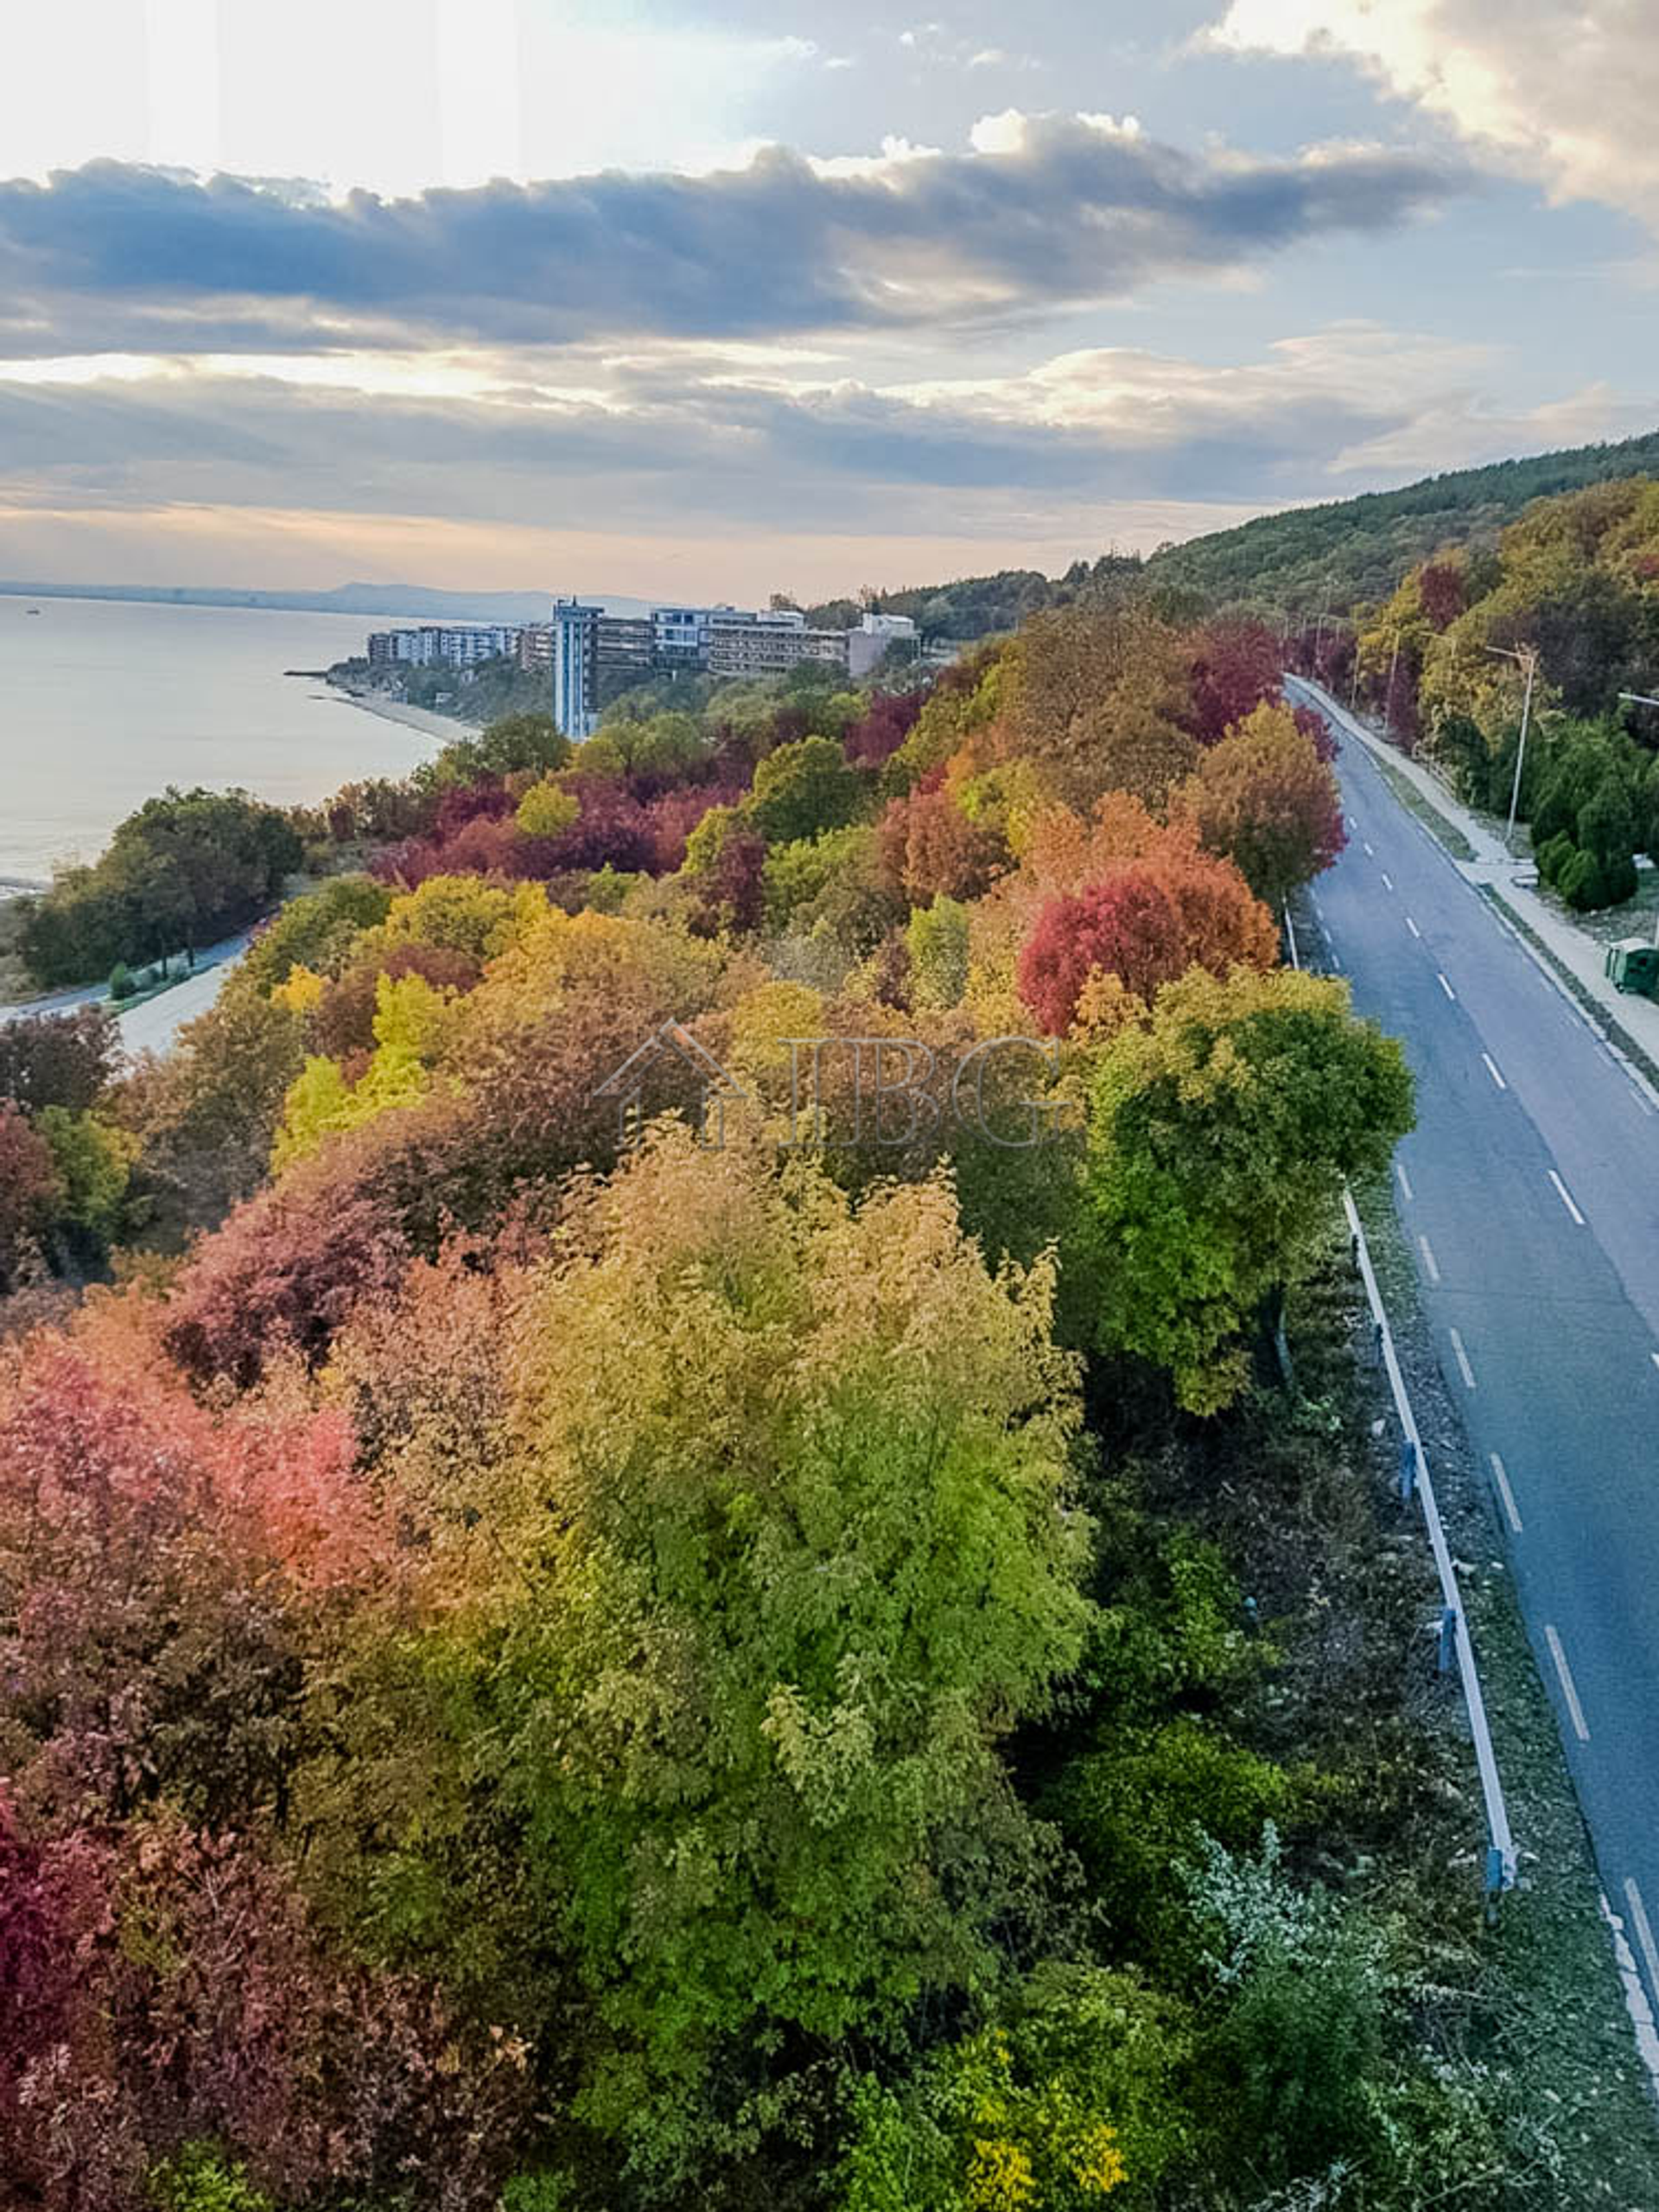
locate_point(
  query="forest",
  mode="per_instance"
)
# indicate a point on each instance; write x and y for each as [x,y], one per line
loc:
[1328,556]
[1442,662]
[556,1662]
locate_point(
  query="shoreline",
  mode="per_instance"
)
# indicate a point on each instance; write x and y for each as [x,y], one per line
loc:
[425,719]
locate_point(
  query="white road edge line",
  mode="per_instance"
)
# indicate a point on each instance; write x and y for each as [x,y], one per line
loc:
[1565,1198]
[1387,881]
[1462,1358]
[1643,1931]
[1654,1357]
[1429,1261]
[1492,1071]
[1636,1997]
[1405,1185]
[1574,1710]
[1413,927]
[1505,1492]
[1446,987]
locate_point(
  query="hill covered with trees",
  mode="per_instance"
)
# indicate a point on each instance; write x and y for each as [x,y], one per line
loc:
[1353,551]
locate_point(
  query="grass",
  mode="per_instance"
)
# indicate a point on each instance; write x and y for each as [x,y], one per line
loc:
[1429,815]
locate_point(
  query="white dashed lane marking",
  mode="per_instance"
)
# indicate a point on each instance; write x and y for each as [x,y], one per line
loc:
[1565,1198]
[1429,1261]
[1462,1358]
[1405,1179]
[1492,1071]
[1445,987]
[1503,1491]
[1569,1688]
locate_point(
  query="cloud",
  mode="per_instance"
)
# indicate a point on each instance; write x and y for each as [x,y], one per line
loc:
[658,441]
[1564,91]
[1049,211]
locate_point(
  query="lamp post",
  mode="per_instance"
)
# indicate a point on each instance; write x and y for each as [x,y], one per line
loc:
[1641,699]
[1525,657]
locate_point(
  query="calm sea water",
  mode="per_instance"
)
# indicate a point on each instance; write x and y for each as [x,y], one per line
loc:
[103,703]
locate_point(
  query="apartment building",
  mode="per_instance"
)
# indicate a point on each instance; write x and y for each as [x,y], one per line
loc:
[771,645]
[437,645]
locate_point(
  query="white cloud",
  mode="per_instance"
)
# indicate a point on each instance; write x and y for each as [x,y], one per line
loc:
[1564,91]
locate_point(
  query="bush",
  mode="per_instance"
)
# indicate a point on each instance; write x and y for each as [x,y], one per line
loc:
[1554,854]
[1581,882]
[121,983]
[1297,2054]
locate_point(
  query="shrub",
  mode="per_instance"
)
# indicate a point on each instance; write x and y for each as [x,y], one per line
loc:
[1297,2051]
[121,983]
[1582,883]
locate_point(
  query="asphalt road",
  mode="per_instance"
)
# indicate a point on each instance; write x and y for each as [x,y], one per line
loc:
[1529,1194]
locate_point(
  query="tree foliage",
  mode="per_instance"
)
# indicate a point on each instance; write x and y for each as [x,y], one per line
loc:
[1219,1136]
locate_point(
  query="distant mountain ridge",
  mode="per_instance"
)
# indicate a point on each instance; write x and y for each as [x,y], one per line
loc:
[406,601]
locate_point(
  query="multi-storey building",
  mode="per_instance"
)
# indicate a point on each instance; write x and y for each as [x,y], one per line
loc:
[535,648]
[771,644]
[574,629]
[875,638]
[443,644]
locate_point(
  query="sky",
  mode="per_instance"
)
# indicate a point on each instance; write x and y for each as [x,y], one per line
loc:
[660,298]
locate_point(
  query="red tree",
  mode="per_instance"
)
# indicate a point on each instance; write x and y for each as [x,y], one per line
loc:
[28,1188]
[1146,923]
[1237,665]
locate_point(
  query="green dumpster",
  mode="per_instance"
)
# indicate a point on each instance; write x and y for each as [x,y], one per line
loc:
[1633,965]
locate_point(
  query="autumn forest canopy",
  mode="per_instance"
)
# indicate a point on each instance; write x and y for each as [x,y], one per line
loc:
[554,1672]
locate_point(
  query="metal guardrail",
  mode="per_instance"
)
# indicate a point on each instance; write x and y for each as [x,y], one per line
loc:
[1455,1646]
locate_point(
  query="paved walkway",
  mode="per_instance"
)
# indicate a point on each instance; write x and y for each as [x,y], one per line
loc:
[150,1026]
[1574,948]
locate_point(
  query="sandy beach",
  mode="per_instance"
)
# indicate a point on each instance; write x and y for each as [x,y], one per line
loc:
[443,726]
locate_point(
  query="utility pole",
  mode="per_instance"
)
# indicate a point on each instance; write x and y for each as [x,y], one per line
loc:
[1526,657]
[1642,699]
[1393,663]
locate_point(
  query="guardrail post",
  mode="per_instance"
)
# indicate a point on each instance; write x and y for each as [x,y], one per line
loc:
[1407,1470]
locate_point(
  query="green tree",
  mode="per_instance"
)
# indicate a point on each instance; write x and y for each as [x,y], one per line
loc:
[752,1608]
[545,810]
[801,789]
[93,1162]
[1219,1136]
[316,930]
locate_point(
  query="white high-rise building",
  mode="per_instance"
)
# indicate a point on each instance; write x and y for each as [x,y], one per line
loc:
[576,666]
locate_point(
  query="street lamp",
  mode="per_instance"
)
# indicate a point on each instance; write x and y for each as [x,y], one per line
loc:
[1641,699]
[1526,657]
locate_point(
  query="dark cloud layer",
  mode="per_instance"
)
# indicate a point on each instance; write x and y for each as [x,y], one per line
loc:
[116,256]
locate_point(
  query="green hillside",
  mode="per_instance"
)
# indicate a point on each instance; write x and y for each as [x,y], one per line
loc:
[1354,550]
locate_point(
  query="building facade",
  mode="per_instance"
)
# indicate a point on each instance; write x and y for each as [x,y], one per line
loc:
[771,645]
[574,630]
[443,644]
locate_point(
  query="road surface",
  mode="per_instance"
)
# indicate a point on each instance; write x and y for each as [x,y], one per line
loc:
[150,1027]
[1529,1196]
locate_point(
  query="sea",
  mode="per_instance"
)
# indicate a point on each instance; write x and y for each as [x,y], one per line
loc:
[104,701]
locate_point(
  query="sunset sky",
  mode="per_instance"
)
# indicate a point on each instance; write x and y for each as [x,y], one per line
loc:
[667,299]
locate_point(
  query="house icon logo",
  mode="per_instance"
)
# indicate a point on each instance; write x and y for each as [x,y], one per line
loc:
[671,1044]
